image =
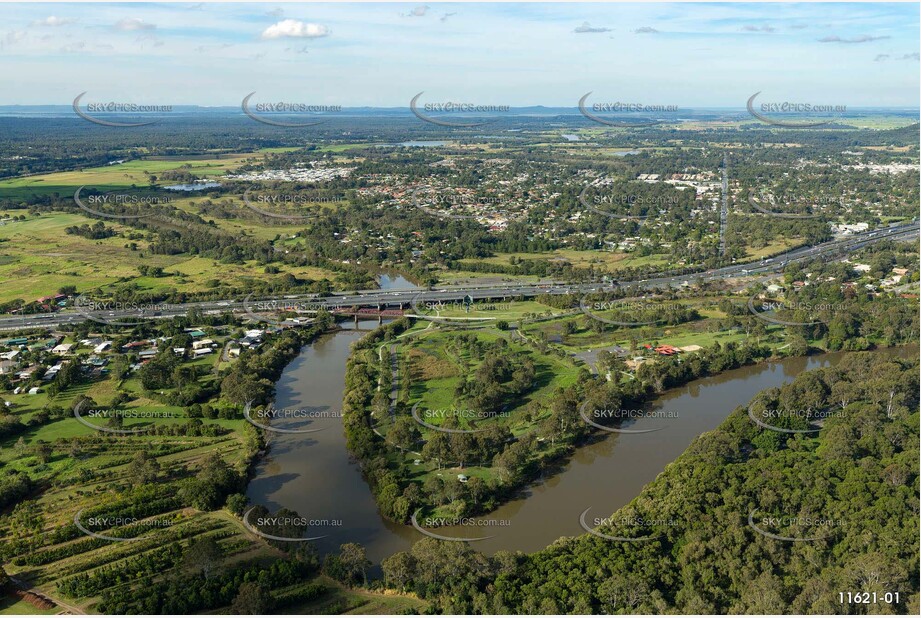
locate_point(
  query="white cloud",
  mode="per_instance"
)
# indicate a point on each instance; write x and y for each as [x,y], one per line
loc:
[201,49]
[53,21]
[587,28]
[14,36]
[646,30]
[419,11]
[295,29]
[857,39]
[758,29]
[133,24]
[74,48]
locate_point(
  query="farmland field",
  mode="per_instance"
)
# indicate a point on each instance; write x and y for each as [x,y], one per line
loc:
[135,173]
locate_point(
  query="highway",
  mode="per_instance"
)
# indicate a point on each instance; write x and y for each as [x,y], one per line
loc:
[406,298]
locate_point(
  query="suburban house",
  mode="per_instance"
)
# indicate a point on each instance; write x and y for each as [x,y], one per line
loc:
[63,349]
[102,347]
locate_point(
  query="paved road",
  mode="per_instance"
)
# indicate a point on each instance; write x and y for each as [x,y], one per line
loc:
[405,298]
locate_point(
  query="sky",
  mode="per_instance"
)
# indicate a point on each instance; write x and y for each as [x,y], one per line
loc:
[516,54]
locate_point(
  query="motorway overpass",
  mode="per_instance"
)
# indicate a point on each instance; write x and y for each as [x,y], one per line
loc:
[404,299]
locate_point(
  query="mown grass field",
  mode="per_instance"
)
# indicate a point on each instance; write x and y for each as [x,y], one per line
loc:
[435,370]
[493,311]
[345,147]
[783,244]
[704,331]
[569,330]
[459,277]
[579,259]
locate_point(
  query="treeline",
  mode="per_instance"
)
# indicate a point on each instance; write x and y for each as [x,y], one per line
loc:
[253,376]
[97,231]
[851,487]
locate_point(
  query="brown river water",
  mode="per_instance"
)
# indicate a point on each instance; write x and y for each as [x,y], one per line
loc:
[314,475]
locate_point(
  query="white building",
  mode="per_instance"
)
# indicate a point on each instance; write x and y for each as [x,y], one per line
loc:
[62,348]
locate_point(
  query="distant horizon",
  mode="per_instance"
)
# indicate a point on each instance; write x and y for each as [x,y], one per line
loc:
[406,108]
[708,55]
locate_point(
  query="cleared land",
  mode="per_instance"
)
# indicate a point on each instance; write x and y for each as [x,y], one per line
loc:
[581,259]
[119,176]
[38,257]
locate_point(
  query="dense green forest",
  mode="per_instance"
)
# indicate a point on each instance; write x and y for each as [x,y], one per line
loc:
[853,486]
